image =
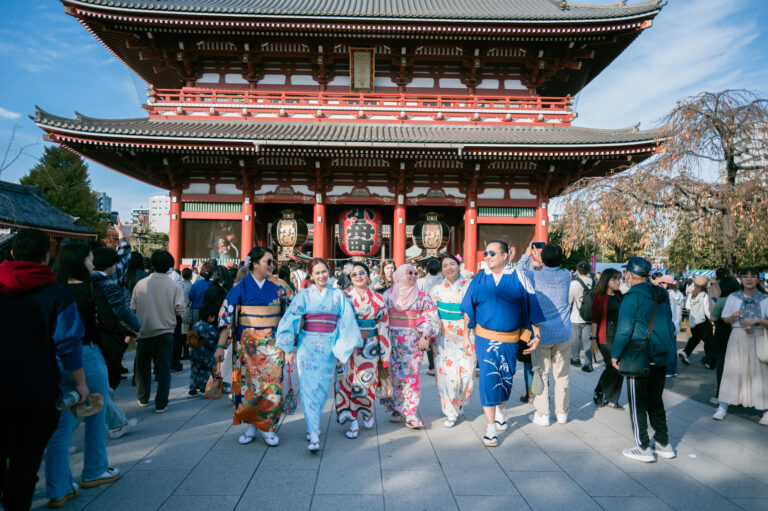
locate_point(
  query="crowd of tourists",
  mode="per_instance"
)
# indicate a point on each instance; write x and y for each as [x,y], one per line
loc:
[363,332]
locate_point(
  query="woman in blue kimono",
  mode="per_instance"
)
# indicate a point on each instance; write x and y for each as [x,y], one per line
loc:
[325,322]
[503,309]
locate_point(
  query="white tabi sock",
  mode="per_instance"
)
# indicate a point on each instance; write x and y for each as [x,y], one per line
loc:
[499,416]
[490,430]
[251,431]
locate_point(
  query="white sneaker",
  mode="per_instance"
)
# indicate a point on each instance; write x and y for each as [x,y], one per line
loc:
[719,414]
[270,438]
[449,423]
[114,434]
[665,451]
[562,418]
[764,419]
[541,420]
[714,400]
[636,453]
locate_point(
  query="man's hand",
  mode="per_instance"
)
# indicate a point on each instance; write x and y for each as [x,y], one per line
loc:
[219,355]
[80,385]
[615,363]
[532,345]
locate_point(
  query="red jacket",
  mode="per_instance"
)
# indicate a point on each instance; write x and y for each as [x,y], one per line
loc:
[600,315]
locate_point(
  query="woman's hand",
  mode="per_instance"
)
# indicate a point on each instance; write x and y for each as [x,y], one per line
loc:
[468,348]
[423,344]
[219,355]
[749,322]
[290,358]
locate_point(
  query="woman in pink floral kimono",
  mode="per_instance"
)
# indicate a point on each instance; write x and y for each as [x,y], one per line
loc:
[413,324]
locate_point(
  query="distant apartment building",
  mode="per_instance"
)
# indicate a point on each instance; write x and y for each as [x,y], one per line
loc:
[105,202]
[159,213]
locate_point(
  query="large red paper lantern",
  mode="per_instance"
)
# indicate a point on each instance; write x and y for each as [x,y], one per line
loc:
[360,232]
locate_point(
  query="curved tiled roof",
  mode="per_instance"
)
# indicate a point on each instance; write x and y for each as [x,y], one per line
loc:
[24,206]
[499,10]
[339,132]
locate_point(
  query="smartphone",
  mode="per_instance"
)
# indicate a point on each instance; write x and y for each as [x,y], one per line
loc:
[113,218]
[538,244]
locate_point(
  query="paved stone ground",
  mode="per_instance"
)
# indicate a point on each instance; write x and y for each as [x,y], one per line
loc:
[189,459]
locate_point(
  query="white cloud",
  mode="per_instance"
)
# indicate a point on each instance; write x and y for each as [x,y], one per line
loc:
[693,46]
[7,114]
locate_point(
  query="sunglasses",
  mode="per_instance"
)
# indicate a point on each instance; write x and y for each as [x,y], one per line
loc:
[489,253]
[358,274]
[412,273]
[270,262]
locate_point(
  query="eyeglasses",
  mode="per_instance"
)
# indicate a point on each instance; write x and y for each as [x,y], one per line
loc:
[412,273]
[489,253]
[358,274]
[270,262]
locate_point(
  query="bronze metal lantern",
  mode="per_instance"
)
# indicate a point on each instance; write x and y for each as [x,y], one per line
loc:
[289,232]
[431,235]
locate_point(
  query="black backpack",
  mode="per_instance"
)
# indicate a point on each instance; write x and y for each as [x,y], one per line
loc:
[585,310]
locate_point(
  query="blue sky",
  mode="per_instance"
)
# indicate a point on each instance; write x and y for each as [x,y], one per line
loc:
[48,59]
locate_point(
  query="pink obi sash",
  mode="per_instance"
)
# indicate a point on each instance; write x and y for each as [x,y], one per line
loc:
[403,319]
[320,323]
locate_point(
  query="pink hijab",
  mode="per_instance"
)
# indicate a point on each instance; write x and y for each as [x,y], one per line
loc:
[403,295]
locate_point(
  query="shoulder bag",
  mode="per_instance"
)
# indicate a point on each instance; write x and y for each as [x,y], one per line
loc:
[634,361]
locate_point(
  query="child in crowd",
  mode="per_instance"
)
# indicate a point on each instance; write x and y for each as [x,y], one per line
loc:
[202,339]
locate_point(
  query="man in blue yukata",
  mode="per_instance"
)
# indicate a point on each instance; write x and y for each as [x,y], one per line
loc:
[502,308]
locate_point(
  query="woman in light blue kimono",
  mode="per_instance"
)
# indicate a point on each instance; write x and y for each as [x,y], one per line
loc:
[325,322]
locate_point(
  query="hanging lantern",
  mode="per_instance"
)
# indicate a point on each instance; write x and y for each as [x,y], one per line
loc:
[431,235]
[360,232]
[289,232]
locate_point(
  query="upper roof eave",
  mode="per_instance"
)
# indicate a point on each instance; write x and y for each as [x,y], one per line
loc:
[444,11]
[299,133]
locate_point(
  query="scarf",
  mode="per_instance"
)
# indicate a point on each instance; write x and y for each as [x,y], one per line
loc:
[403,295]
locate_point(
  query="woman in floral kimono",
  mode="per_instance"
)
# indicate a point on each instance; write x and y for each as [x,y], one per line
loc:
[325,322]
[455,368]
[260,299]
[413,324]
[357,380]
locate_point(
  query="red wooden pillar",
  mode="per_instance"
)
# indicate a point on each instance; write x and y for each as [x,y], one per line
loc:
[320,230]
[247,230]
[540,229]
[398,231]
[174,233]
[470,234]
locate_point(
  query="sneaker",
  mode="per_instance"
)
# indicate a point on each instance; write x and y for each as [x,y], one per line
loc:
[111,475]
[684,358]
[114,434]
[719,414]
[665,451]
[57,503]
[636,453]
[598,398]
[143,405]
[449,423]
[193,393]
[562,418]
[270,438]
[576,362]
[587,368]
[541,420]
[714,400]
[763,420]
[431,372]
[161,410]
[615,406]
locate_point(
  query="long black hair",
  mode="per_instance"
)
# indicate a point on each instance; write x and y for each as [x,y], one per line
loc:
[256,254]
[602,285]
[70,263]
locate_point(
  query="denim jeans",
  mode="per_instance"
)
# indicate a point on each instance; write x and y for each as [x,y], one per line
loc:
[115,416]
[159,349]
[58,476]
[580,333]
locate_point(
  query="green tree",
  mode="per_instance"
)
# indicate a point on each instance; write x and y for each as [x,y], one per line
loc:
[147,241]
[62,177]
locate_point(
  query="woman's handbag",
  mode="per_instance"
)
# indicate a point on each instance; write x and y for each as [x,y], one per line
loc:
[214,389]
[634,361]
[384,385]
[537,383]
[289,403]
[762,347]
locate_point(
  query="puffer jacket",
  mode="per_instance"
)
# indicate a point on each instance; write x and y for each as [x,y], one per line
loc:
[634,317]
